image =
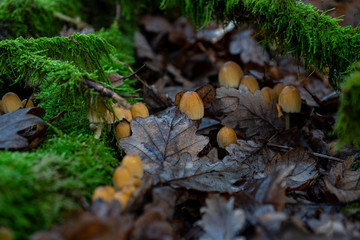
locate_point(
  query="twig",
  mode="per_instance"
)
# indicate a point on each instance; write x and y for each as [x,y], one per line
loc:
[76,21]
[108,93]
[132,74]
[131,70]
[286,148]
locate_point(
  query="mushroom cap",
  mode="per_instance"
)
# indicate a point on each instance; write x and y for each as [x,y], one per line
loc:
[268,94]
[122,198]
[134,164]
[250,82]
[192,105]
[119,114]
[29,103]
[128,115]
[277,90]
[226,136]
[128,190]
[122,177]
[290,100]
[97,112]
[230,74]
[123,130]
[104,192]
[137,182]
[10,102]
[139,110]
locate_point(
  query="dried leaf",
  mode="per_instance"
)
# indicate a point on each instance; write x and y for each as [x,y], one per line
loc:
[220,219]
[207,93]
[156,24]
[16,128]
[143,49]
[204,175]
[253,113]
[157,140]
[305,167]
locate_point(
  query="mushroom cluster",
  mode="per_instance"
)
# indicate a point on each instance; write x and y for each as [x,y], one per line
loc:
[288,97]
[11,102]
[98,115]
[126,179]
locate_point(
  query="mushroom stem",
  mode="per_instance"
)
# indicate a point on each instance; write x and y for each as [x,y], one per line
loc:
[98,130]
[287,121]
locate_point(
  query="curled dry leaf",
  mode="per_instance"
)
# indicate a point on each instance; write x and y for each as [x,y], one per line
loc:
[305,167]
[16,128]
[207,93]
[220,219]
[253,114]
[157,140]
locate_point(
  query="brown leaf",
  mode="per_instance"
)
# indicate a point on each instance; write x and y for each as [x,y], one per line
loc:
[344,183]
[253,113]
[220,220]
[204,175]
[143,48]
[207,93]
[305,167]
[16,128]
[157,140]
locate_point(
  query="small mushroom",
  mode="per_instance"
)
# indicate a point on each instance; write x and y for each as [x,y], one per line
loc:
[128,115]
[123,130]
[230,74]
[277,90]
[27,103]
[178,98]
[250,82]
[226,136]
[139,110]
[97,114]
[123,198]
[122,177]
[290,102]
[268,94]
[134,164]
[104,192]
[10,102]
[192,105]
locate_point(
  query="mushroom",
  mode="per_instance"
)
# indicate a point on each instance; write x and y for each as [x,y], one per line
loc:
[290,102]
[277,90]
[139,110]
[123,130]
[128,115]
[97,115]
[230,74]
[192,105]
[268,94]
[226,136]
[123,198]
[134,165]
[104,192]
[128,190]
[178,98]
[10,102]
[122,177]
[27,103]
[250,82]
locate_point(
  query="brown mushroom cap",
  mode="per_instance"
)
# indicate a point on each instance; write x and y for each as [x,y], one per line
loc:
[122,177]
[29,103]
[104,192]
[10,102]
[268,94]
[139,110]
[122,198]
[250,82]
[290,100]
[128,115]
[192,105]
[134,164]
[230,75]
[178,98]
[118,115]
[123,130]
[277,90]
[97,113]
[226,136]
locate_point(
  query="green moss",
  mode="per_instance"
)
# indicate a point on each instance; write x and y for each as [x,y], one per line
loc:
[37,188]
[348,124]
